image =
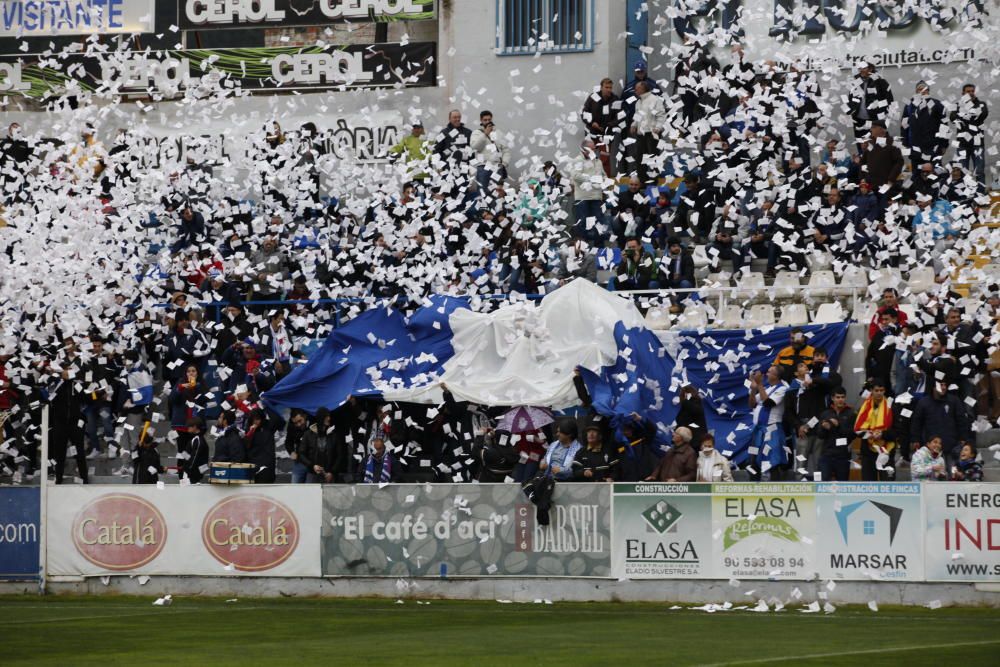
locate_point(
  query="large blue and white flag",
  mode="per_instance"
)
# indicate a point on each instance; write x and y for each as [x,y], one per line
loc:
[521,354]
[525,353]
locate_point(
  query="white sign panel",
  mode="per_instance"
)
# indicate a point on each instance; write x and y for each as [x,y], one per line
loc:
[184,530]
[38,18]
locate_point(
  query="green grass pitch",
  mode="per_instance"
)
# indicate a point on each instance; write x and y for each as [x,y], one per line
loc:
[208,631]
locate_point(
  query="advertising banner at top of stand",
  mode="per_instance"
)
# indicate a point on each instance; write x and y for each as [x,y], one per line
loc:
[216,14]
[263,69]
[48,18]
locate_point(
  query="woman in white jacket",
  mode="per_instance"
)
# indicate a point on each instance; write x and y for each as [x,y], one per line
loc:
[712,466]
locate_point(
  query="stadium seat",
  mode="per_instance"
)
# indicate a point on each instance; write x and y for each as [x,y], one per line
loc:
[751,285]
[821,284]
[921,279]
[793,314]
[729,317]
[864,311]
[721,279]
[786,285]
[701,261]
[829,313]
[693,317]
[760,315]
[910,310]
[819,260]
[882,279]
[658,318]
[854,280]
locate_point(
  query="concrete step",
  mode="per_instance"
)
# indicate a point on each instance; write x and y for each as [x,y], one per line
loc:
[986,438]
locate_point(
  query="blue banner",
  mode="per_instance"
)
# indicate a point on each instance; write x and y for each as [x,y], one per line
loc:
[20,531]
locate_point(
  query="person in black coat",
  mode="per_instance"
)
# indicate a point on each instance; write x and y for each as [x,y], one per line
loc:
[881,354]
[836,431]
[15,157]
[453,144]
[940,414]
[146,465]
[811,400]
[496,456]
[594,463]
[869,101]
[922,120]
[259,442]
[229,446]
[677,266]
[65,432]
[195,465]
[692,412]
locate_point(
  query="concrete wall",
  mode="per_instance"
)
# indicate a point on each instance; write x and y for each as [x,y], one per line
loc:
[536,98]
[529,590]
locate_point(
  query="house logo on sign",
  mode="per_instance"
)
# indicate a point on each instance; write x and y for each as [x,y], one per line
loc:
[867,521]
[662,516]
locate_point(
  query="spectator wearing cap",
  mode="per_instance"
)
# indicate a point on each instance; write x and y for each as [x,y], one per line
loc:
[679,464]
[558,460]
[222,293]
[414,149]
[968,117]
[869,100]
[920,127]
[595,462]
[629,96]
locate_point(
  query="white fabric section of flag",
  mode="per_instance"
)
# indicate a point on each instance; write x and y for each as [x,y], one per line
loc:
[525,353]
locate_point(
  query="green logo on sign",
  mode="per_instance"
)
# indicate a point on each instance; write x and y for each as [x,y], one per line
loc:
[662,516]
[744,528]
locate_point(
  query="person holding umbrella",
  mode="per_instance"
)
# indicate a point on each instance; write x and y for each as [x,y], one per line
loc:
[525,424]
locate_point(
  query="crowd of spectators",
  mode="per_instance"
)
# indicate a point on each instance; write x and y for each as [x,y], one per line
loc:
[204,297]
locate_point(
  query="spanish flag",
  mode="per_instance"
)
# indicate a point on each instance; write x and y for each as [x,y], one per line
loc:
[872,418]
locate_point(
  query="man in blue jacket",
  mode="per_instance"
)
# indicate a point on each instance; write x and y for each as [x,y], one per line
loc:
[942,415]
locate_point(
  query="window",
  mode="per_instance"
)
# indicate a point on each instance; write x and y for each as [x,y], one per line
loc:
[869,527]
[529,26]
